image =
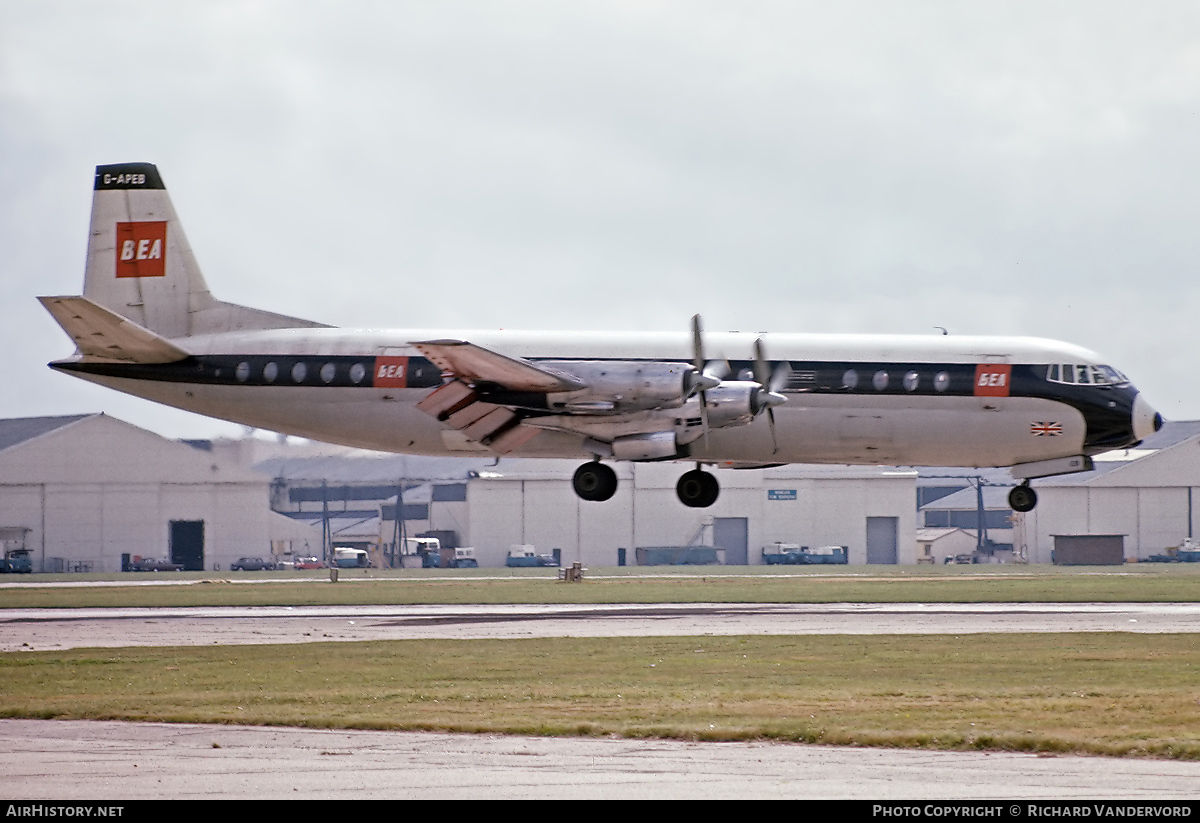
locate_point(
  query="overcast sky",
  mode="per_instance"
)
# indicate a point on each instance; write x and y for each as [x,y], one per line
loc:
[994,168]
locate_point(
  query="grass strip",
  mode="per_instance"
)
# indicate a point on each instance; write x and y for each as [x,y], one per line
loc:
[1110,694]
[1163,584]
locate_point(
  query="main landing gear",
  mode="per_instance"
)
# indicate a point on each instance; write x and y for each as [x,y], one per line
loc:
[697,489]
[1022,498]
[595,481]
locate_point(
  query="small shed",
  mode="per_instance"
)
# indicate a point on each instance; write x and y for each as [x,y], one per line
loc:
[1088,549]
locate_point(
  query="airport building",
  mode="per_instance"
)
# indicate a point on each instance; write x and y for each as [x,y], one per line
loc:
[1146,496]
[867,509]
[90,493]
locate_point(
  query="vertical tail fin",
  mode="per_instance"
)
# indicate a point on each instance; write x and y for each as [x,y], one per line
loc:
[139,262]
[140,265]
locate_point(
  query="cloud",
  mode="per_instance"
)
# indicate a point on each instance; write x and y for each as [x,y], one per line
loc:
[1020,168]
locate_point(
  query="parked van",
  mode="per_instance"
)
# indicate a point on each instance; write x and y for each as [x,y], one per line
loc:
[351,559]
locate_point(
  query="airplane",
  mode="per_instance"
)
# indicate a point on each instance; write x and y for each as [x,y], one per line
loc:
[147,325]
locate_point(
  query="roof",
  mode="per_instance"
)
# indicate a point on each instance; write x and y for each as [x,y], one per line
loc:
[18,430]
[994,498]
[373,469]
[1172,434]
[927,535]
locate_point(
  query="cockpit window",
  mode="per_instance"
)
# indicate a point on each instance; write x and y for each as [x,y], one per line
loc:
[1086,375]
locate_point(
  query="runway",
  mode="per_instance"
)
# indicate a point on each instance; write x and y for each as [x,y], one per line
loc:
[34,629]
[113,761]
[67,760]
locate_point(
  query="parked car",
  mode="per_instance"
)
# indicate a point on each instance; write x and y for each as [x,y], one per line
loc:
[309,563]
[251,564]
[155,564]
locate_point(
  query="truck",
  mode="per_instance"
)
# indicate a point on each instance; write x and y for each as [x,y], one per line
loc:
[526,556]
[420,553]
[17,561]
[795,555]
[464,558]
[783,554]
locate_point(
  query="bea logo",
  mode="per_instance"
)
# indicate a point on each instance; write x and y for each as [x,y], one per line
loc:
[992,380]
[391,372]
[142,249]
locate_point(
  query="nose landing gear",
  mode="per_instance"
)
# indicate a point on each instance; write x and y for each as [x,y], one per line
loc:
[1022,498]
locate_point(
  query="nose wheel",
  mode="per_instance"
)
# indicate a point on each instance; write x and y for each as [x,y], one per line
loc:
[595,481]
[1022,498]
[697,489]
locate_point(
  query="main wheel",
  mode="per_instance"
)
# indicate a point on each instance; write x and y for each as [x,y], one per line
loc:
[697,489]
[1022,499]
[595,481]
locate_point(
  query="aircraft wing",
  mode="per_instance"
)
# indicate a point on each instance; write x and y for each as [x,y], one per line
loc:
[479,365]
[499,428]
[101,334]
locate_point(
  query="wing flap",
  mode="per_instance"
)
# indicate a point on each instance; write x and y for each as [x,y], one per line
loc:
[477,364]
[104,335]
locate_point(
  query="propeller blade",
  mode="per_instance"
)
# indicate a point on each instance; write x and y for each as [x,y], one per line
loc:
[719,369]
[780,378]
[762,372]
[697,379]
[767,397]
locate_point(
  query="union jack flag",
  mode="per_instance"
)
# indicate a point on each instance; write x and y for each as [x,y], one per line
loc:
[1041,429]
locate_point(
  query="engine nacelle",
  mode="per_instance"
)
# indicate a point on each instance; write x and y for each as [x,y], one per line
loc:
[733,403]
[621,386]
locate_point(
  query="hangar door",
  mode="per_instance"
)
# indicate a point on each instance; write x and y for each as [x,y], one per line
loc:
[731,534]
[187,544]
[882,538]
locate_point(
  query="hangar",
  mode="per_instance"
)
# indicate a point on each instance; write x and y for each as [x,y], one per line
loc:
[1148,495]
[85,491]
[868,509]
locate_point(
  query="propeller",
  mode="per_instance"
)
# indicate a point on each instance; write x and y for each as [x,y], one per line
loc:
[770,386]
[704,375]
[701,378]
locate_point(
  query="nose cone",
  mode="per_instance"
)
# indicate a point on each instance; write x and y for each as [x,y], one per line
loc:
[1145,420]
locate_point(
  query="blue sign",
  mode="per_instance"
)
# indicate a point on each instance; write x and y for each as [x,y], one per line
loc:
[781,494]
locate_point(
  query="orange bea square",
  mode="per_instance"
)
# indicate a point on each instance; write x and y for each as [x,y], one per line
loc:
[142,249]
[992,380]
[391,372]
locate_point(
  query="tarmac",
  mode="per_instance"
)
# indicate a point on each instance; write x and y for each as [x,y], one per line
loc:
[91,760]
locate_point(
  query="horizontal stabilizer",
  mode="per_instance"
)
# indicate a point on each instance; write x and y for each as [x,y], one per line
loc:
[101,334]
[477,364]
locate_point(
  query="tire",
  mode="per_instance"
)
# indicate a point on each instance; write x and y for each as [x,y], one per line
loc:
[595,481]
[1022,499]
[697,489]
